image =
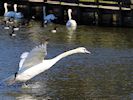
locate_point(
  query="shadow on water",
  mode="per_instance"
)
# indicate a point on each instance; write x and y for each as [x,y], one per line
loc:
[106,74]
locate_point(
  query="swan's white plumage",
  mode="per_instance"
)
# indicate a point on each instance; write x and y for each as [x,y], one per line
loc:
[70,22]
[12,18]
[18,15]
[22,59]
[50,17]
[12,14]
[24,55]
[8,14]
[33,63]
[34,57]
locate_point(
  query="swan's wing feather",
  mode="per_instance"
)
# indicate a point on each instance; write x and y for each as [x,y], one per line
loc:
[35,56]
[23,57]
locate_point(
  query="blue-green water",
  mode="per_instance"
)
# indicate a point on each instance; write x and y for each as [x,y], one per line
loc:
[105,74]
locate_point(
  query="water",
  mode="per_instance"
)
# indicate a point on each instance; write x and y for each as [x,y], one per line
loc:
[106,74]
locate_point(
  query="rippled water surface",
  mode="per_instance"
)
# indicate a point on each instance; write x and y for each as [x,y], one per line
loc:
[105,74]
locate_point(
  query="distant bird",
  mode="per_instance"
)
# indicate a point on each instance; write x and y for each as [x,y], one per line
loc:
[33,63]
[12,17]
[12,34]
[54,30]
[48,18]
[18,15]
[13,29]
[71,24]
[8,14]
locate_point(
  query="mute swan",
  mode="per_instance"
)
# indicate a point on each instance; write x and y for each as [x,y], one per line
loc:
[18,15]
[12,14]
[33,63]
[48,18]
[12,17]
[71,23]
[18,18]
[8,14]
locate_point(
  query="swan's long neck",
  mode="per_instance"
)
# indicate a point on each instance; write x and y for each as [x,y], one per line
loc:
[15,7]
[65,54]
[69,15]
[44,11]
[6,9]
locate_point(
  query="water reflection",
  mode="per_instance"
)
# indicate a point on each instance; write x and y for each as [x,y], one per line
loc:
[25,97]
[106,74]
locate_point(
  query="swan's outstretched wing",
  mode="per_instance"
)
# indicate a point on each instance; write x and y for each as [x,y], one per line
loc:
[23,57]
[35,56]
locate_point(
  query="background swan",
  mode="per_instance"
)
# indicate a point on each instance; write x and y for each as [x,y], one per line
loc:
[18,15]
[12,18]
[18,18]
[71,24]
[33,63]
[48,18]
[12,14]
[8,14]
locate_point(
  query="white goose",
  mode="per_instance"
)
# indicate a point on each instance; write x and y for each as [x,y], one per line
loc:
[33,63]
[71,23]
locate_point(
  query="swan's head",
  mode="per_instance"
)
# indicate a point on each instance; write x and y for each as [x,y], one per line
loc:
[5,4]
[82,50]
[15,5]
[70,10]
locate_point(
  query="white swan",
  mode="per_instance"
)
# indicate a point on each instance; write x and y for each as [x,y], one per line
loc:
[12,14]
[48,18]
[18,15]
[8,14]
[12,17]
[8,17]
[33,63]
[71,23]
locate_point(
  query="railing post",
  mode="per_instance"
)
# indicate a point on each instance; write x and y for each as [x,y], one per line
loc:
[131,6]
[42,13]
[120,13]
[29,11]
